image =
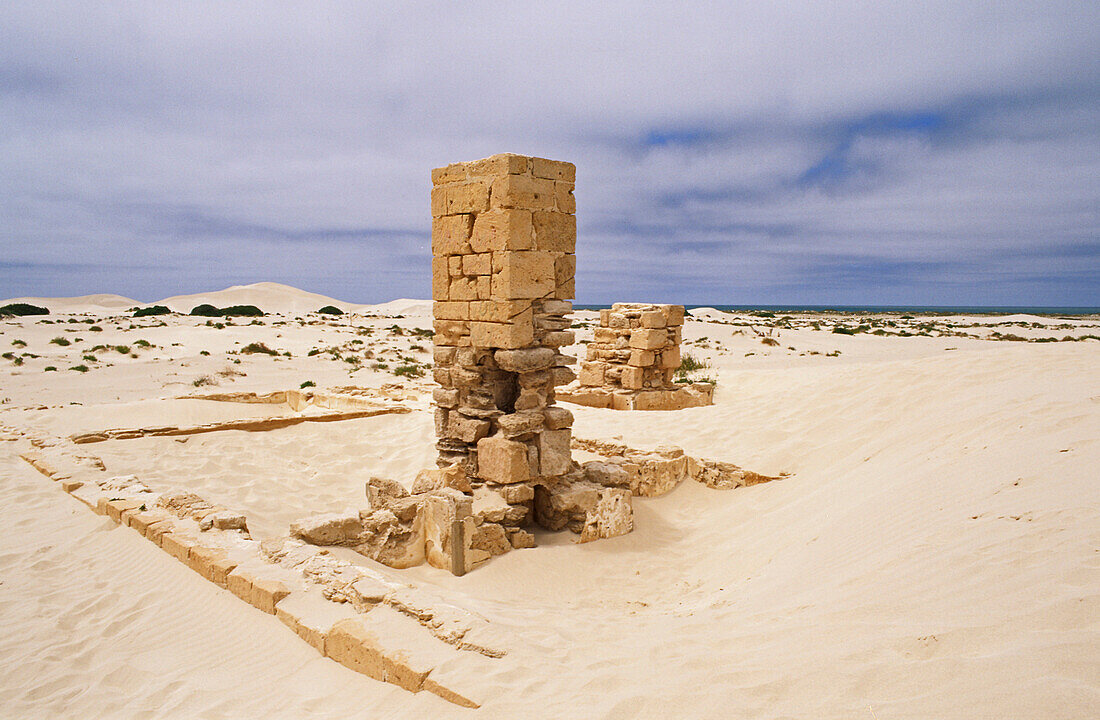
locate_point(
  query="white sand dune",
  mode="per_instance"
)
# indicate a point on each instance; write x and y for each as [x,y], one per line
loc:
[268,296]
[933,555]
[403,306]
[78,304]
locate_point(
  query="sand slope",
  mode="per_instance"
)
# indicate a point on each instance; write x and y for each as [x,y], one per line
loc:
[79,304]
[268,296]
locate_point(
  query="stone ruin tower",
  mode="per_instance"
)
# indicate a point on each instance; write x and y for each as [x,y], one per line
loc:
[504,235]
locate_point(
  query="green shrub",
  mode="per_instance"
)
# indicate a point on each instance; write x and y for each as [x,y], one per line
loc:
[122,349]
[331,310]
[313,352]
[8,356]
[19,343]
[80,368]
[143,343]
[690,363]
[205,310]
[21,309]
[409,371]
[89,358]
[49,368]
[204,352]
[307,384]
[153,310]
[63,342]
[257,347]
[95,328]
[204,380]
[770,341]
[840,330]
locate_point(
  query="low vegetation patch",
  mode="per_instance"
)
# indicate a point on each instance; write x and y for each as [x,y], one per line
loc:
[331,310]
[206,310]
[63,342]
[153,310]
[257,347]
[80,368]
[21,309]
[307,384]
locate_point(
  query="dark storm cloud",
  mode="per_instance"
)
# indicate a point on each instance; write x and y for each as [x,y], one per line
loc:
[879,153]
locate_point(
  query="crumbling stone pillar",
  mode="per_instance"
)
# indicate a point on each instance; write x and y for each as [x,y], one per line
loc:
[503,241]
[632,359]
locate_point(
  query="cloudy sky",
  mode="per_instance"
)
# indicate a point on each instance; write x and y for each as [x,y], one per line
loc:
[872,153]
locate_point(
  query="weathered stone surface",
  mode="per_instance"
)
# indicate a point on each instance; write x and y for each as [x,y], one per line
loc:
[557,418]
[381,490]
[502,461]
[555,457]
[392,542]
[520,424]
[613,515]
[328,528]
[443,511]
[491,538]
[606,474]
[525,360]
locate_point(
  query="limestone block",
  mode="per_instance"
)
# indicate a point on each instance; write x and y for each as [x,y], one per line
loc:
[557,418]
[557,307]
[409,653]
[653,319]
[562,376]
[115,508]
[141,521]
[471,196]
[592,374]
[501,164]
[443,355]
[451,234]
[451,173]
[393,540]
[565,268]
[468,430]
[454,266]
[521,539]
[589,397]
[266,592]
[553,169]
[502,311]
[477,264]
[670,358]
[524,360]
[501,335]
[674,315]
[632,378]
[617,320]
[555,457]
[606,474]
[229,520]
[201,560]
[559,505]
[353,646]
[555,232]
[518,424]
[328,528]
[523,192]
[503,230]
[558,338]
[156,531]
[445,397]
[491,538]
[177,545]
[441,279]
[515,494]
[564,199]
[311,617]
[612,516]
[526,274]
[655,475]
[442,511]
[382,491]
[648,339]
[449,332]
[463,288]
[502,461]
[219,569]
[239,582]
[442,376]
[444,310]
[642,358]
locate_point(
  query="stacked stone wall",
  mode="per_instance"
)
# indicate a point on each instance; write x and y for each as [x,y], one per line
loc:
[503,242]
[636,347]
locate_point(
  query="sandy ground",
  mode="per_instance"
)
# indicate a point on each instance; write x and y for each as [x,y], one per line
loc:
[935,553]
